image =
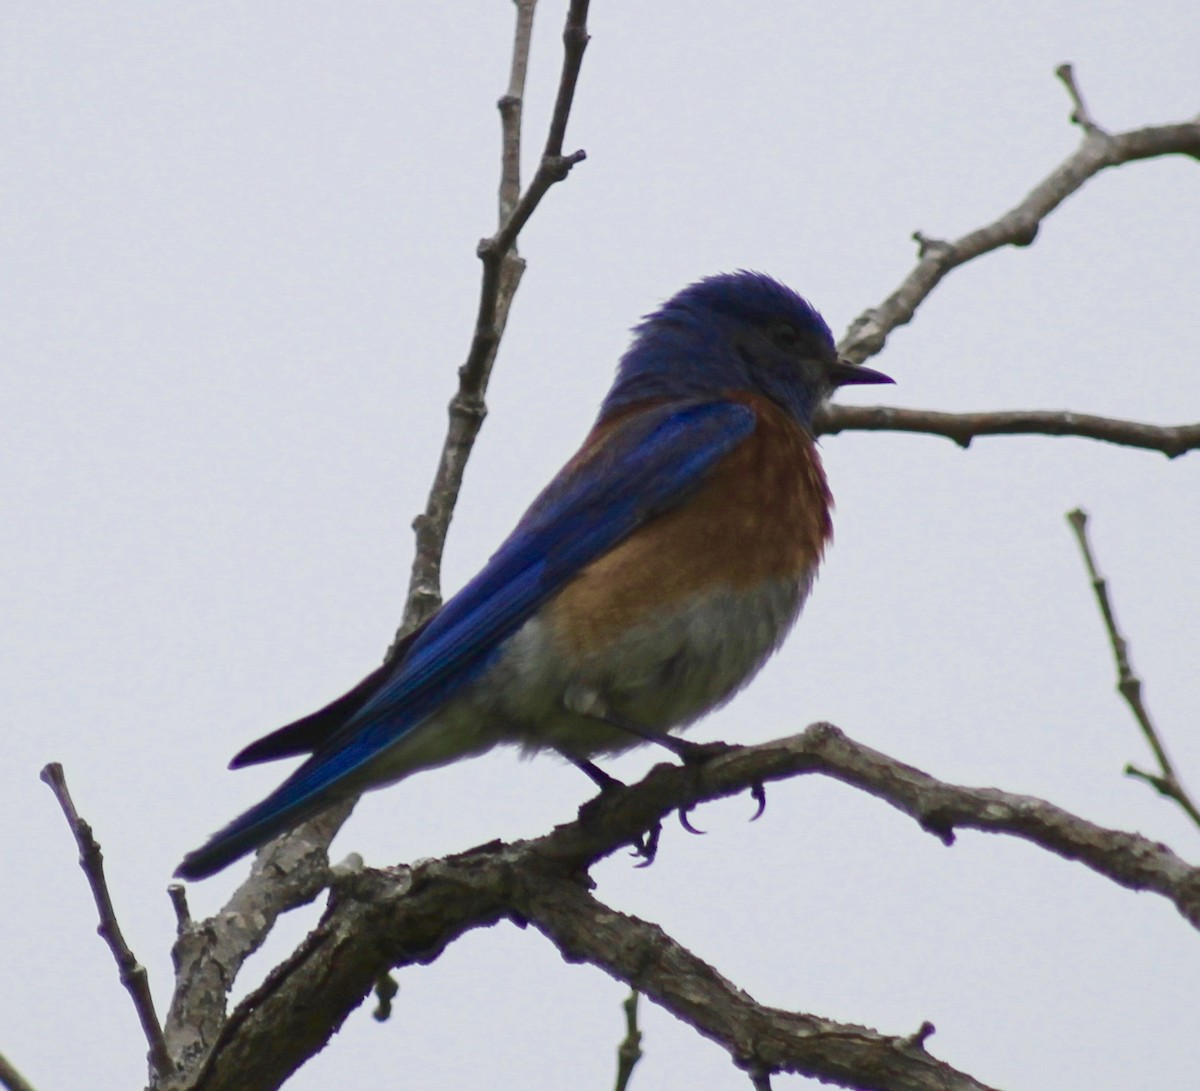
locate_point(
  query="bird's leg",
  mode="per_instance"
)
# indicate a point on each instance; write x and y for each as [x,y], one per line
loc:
[604,781]
[647,845]
[690,753]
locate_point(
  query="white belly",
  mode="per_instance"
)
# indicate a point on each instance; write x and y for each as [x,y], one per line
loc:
[663,674]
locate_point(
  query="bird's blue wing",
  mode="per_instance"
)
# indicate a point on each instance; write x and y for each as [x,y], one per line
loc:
[646,468]
[645,465]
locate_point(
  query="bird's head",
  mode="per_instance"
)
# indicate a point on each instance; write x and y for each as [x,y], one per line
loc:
[735,332]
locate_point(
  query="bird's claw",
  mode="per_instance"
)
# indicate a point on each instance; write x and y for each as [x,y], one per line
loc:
[685,822]
[758,793]
[647,845]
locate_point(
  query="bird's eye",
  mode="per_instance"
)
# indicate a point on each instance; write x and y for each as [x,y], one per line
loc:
[784,335]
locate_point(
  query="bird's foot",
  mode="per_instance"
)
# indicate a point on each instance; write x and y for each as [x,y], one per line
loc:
[647,845]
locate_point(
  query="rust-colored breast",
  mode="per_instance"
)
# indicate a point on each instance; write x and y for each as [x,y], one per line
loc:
[763,514]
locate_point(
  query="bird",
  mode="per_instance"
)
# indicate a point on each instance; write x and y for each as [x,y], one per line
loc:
[645,586]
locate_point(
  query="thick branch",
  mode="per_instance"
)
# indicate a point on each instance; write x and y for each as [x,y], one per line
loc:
[408,916]
[760,1039]
[1098,151]
[208,955]
[1171,439]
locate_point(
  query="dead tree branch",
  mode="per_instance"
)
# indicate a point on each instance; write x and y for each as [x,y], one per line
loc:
[132,973]
[502,269]
[629,1052]
[293,870]
[759,1039]
[1097,151]
[1166,781]
[962,428]
[10,1078]
[407,916]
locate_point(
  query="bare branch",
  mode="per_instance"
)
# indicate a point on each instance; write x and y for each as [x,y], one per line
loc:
[177,892]
[208,955]
[1129,685]
[511,106]
[1097,151]
[1080,115]
[407,916]
[10,1078]
[502,269]
[1127,859]
[294,869]
[758,1038]
[132,973]
[629,1052]
[962,428]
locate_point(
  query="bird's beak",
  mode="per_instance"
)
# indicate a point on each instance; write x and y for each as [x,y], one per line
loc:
[843,373]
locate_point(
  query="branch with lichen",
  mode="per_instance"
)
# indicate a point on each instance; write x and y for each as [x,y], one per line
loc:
[405,916]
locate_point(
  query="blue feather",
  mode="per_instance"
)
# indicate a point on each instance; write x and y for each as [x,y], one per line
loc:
[647,465]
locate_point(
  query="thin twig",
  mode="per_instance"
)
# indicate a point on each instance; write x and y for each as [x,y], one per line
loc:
[1080,116]
[921,1035]
[183,915]
[511,106]
[1097,151]
[10,1078]
[132,973]
[502,269]
[386,989]
[1129,685]
[1171,439]
[629,1052]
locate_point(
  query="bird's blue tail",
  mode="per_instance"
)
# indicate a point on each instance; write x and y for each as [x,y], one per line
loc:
[268,819]
[304,794]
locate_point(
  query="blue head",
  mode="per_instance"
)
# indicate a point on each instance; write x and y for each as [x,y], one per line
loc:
[735,332]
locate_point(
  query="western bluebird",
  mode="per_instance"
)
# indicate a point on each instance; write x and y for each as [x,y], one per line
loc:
[646,585]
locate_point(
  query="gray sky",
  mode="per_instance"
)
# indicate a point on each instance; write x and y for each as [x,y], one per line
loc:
[239,273]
